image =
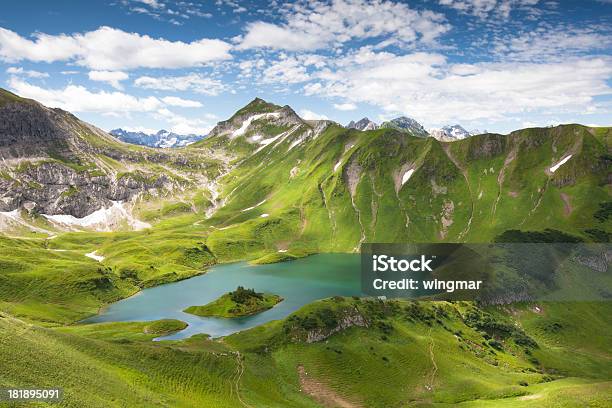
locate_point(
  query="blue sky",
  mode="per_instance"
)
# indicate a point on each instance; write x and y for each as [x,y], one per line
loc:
[497,65]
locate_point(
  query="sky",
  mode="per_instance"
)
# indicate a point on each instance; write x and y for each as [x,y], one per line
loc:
[495,65]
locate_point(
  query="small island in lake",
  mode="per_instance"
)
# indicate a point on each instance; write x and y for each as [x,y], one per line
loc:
[241,302]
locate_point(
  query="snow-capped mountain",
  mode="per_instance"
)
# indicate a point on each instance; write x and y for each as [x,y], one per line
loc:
[450,133]
[404,123]
[162,139]
[363,124]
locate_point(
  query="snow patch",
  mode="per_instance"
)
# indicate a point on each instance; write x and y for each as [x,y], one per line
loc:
[255,206]
[296,142]
[104,219]
[561,163]
[283,135]
[245,125]
[93,255]
[407,176]
[337,165]
[11,219]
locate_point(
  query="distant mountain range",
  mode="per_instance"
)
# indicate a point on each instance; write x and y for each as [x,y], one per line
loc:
[363,124]
[448,133]
[406,124]
[269,180]
[452,133]
[162,139]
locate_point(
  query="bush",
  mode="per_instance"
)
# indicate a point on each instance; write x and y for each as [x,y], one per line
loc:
[242,295]
[496,344]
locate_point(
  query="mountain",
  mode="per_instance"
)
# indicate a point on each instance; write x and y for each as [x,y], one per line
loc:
[312,186]
[322,187]
[162,139]
[62,170]
[405,124]
[363,124]
[450,133]
[268,186]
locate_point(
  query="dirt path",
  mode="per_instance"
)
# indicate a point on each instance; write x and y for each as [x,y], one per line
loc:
[434,370]
[464,172]
[238,377]
[502,175]
[321,392]
[567,205]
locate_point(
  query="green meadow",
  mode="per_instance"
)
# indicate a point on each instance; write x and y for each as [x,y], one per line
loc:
[317,191]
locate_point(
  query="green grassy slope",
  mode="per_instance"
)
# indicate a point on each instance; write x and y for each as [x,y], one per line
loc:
[345,187]
[370,353]
[309,191]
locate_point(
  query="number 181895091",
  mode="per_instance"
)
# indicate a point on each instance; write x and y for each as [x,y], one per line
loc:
[30,394]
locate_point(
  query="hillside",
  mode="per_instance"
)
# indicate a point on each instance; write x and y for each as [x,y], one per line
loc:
[360,352]
[87,220]
[55,165]
[268,186]
[316,186]
[319,185]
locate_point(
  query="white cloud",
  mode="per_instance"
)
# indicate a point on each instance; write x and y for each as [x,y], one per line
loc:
[310,115]
[28,73]
[151,3]
[485,8]
[112,77]
[427,87]
[75,98]
[292,69]
[183,125]
[146,130]
[345,106]
[111,49]
[551,43]
[183,103]
[192,82]
[316,24]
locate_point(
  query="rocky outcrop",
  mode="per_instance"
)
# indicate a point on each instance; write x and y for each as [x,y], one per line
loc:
[28,129]
[52,188]
[362,124]
[53,163]
[408,125]
[450,133]
[350,319]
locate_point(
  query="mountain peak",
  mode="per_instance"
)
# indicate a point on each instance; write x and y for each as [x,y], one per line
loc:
[162,138]
[258,108]
[406,124]
[257,105]
[450,133]
[362,124]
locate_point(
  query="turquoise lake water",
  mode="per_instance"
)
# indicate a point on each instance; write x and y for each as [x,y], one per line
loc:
[299,282]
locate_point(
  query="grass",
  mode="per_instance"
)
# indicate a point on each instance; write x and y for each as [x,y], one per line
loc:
[422,354]
[228,306]
[379,354]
